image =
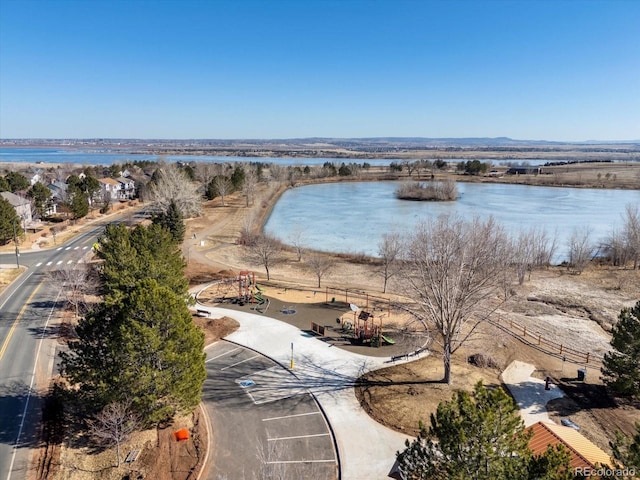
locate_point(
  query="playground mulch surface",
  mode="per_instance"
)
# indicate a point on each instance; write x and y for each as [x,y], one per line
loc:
[330,316]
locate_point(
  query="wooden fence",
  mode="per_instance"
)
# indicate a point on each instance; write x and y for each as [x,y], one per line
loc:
[544,344]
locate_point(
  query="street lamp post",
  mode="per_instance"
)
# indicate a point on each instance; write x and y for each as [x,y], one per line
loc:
[15,240]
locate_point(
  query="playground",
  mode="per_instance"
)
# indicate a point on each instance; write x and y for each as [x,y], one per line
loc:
[348,320]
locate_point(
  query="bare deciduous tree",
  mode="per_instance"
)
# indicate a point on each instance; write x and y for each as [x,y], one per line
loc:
[453,273]
[580,249]
[113,425]
[205,171]
[76,282]
[277,173]
[320,265]
[631,231]
[223,186]
[297,241]
[173,184]
[265,251]
[389,251]
[249,184]
[615,248]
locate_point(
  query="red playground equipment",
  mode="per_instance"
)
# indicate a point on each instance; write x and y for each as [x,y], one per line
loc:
[246,284]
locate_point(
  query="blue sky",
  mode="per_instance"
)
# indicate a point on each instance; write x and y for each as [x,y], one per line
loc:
[554,70]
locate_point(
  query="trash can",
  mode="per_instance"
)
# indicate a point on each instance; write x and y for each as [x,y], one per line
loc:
[582,374]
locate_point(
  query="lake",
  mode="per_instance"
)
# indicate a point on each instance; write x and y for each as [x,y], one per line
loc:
[352,217]
[93,157]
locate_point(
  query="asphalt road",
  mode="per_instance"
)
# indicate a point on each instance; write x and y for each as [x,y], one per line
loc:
[27,350]
[265,423]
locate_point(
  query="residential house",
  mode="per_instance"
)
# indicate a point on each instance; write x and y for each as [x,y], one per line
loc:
[58,191]
[22,206]
[586,457]
[109,188]
[128,188]
[118,189]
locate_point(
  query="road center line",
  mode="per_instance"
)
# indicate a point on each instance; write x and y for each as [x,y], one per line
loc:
[241,361]
[16,321]
[290,416]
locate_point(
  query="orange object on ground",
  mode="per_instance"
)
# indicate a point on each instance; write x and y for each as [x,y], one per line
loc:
[181,435]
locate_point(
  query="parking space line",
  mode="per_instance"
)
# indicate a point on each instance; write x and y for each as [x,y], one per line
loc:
[279,397]
[222,354]
[241,361]
[290,416]
[298,436]
[301,461]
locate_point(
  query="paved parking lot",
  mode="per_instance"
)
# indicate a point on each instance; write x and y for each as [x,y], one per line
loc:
[265,423]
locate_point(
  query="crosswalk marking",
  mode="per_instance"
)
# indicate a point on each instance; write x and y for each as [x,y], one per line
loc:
[58,249]
[76,248]
[49,263]
[59,262]
[68,248]
[70,261]
[38,264]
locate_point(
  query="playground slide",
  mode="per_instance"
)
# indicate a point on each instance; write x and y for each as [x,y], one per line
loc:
[388,340]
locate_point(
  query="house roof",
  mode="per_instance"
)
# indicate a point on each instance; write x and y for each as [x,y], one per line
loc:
[59,185]
[108,181]
[583,452]
[14,199]
[124,180]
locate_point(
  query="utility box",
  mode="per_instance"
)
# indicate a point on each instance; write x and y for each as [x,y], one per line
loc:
[582,374]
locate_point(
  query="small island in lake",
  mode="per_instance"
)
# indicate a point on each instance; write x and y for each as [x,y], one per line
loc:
[432,191]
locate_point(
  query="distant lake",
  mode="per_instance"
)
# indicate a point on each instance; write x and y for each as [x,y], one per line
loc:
[352,217]
[94,157]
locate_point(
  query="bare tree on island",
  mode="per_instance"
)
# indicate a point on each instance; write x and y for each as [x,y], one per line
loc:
[389,251]
[453,271]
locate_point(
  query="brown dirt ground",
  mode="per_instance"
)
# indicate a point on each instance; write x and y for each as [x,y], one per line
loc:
[575,310]
[8,275]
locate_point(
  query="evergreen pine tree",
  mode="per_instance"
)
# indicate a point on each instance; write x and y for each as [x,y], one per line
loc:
[144,350]
[172,221]
[480,437]
[144,252]
[621,366]
[9,221]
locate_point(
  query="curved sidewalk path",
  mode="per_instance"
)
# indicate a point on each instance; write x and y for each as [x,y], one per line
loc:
[529,392]
[367,449]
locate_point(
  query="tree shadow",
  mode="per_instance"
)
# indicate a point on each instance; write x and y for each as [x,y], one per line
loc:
[15,420]
[48,332]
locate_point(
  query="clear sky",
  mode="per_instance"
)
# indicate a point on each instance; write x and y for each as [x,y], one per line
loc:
[553,70]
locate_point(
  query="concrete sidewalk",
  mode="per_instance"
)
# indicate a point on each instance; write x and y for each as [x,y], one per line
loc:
[529,392]
[367,449]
